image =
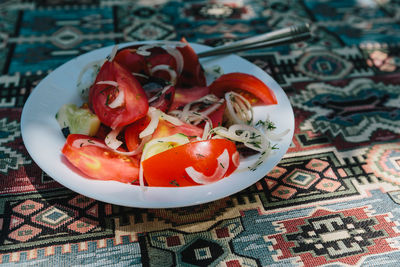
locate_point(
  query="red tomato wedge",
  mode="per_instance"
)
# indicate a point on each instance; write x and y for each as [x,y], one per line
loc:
[194,163]
[161,64]
[128,58]
[132,132]
[166,128]
[217,116]
[92,157]
[163,129]
[133,100]
[184,96]
[252,88]
[192,73]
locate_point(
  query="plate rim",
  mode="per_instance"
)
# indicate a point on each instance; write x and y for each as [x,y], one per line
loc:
[184,192]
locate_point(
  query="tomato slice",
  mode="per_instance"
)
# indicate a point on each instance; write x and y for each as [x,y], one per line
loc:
[133,62]
[91,156]
[192,73]
[163,129]
[134,104]
[252,88]
[184,96]
[217,116]
[206,161]
[160,96]
[132,132]
[162,65]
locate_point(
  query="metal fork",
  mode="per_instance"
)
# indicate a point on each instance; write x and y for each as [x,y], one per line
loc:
[287,35]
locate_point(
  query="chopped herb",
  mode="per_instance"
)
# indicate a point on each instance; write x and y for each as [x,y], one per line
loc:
[274,147]
[108,99]
[174,182]
[260,123]
[217,69]
[105,89]
[200,155]
[270,125]
[222,165]
[90,141]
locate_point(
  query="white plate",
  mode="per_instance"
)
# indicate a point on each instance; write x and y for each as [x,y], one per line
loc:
[43,138]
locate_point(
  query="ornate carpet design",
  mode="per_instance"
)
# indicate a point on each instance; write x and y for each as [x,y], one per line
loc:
[333,200]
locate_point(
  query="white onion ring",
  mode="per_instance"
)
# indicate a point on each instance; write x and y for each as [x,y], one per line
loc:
[120,99]
[178,57]
[87,142]
[276,137]
[111,139]
[222,167]
[159,94]
[113,53]
[193,116]
[167,68]
[174,120]
[154,115]
[248,137]
[206,131]
[239,110]
[84,85]
[142,50]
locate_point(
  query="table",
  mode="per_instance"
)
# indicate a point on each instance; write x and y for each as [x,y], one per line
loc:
[333,199]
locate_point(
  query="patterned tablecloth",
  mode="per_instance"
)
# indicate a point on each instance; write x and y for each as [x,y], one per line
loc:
[332,200]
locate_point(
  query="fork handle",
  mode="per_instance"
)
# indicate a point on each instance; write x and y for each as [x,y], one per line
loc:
[290,34]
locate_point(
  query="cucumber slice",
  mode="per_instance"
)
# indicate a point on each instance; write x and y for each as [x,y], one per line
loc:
[75,120]
[162,144]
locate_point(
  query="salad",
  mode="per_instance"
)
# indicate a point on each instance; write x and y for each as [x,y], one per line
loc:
[149,118]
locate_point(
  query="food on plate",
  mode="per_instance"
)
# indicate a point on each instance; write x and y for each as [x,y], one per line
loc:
[149,118]
[77,120]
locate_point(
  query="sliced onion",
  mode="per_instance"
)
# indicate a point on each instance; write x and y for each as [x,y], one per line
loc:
[142,50]
[206,131]
[190,113]
[154,115]
[120,99]
[113,53]
[87,142]
[111,139]
[264,154]
[178,57]
[174,120]
[239,108]
[138,150]
[140,75]
[222,167]
[160,93]
[167,68]
[87,77]
[236,159]
[276,137]
[112,83]
[252,137]
[249,136]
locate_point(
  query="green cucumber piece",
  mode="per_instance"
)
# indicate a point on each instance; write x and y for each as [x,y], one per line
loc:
[75,120]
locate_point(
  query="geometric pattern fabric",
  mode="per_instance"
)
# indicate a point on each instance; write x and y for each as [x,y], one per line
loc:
[333,200]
